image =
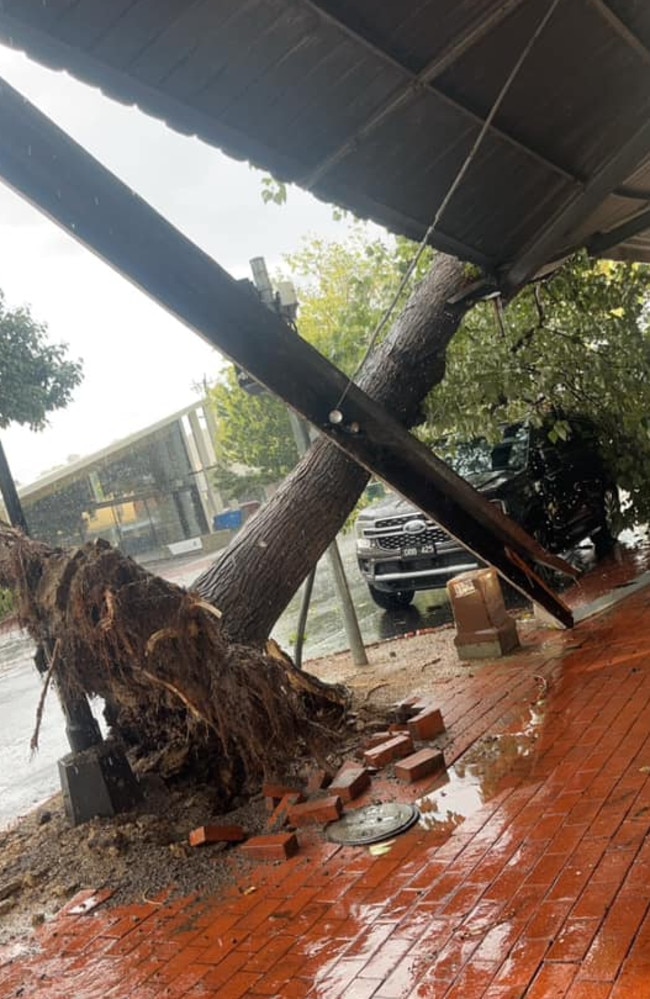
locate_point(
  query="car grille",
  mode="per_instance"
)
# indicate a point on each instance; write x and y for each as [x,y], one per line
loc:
[393,542]
[388,534]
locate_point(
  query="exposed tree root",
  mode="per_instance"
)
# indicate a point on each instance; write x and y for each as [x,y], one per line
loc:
[176,692]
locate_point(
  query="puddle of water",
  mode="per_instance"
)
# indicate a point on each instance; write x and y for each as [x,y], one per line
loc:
[454,799]
[484,771]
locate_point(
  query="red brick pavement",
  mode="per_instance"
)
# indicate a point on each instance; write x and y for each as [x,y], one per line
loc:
[541,891]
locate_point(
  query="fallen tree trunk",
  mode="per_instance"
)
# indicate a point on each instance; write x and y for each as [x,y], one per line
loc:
[255,577]
[177,693]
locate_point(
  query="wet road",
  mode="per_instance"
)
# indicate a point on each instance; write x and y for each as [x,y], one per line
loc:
[25,781]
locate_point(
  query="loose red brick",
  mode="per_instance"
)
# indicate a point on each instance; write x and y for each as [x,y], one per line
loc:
[280,816]
[403,710]
[216,834]
[348,765]
[375,739]
[419,765]
[392,749]
[318,780]
[320,810]
[397,729]
[350,782]
[427,724]
[274,793]
[280,846]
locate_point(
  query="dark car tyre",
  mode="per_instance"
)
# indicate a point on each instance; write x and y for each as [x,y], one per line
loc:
[391,601]
[605,539]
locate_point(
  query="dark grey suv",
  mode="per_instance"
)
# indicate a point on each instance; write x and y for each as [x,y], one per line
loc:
[559,490]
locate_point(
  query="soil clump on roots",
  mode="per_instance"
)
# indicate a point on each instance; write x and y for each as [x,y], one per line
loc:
[181,699]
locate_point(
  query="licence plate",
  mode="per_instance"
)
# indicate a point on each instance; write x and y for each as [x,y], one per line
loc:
[419,550]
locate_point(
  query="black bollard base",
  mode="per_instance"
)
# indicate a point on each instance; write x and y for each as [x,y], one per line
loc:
[97,782]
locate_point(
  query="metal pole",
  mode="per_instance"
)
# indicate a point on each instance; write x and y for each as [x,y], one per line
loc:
[350,620]
[302,618]
[10,496]
[81,726]
[81,729]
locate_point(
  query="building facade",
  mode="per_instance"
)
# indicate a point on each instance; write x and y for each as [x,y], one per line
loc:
[150,494]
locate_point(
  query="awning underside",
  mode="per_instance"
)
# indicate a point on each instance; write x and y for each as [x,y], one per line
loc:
[375,104]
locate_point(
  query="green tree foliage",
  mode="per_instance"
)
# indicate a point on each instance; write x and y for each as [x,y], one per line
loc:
[7,603]
[254,445]
[36,377]
[344,288]
[576,343]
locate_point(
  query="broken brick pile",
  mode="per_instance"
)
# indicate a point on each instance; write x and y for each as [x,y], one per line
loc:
[325,795]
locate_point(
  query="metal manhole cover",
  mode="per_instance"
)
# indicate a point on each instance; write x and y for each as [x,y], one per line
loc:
[372,824]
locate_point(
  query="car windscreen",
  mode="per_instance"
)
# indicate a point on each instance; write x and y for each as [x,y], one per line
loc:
[479,456]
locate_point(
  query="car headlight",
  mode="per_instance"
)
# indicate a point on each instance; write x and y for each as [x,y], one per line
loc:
[364,543]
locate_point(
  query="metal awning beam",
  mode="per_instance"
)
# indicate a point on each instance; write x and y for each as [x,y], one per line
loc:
[632,193]
[622,30]
[553,238]
[424,80]
[604,241]
[55,174]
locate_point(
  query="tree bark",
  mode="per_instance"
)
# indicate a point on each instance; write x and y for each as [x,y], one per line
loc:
[255,577]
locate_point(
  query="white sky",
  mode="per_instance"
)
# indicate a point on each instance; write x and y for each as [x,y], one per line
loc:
[139,362]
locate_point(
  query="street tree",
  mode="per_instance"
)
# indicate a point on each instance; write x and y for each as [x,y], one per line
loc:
[36,376]
[192,687]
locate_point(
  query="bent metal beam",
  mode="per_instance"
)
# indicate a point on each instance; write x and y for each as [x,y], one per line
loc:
[54,173]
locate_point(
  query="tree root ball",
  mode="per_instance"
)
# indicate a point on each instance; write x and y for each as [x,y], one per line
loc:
[177,694]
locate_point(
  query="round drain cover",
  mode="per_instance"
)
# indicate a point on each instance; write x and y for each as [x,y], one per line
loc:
[372,824]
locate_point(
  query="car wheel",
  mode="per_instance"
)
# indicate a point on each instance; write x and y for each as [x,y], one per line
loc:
[605,539]
[391,601]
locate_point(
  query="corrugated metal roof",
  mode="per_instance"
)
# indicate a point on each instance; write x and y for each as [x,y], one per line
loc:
[375,104]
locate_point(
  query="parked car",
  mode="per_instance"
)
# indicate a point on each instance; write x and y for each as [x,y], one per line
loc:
[560,491]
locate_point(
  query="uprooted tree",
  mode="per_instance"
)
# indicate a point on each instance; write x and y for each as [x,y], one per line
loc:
[188,687]
[177,693]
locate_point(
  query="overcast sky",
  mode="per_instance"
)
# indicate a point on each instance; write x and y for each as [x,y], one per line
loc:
[140,363]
